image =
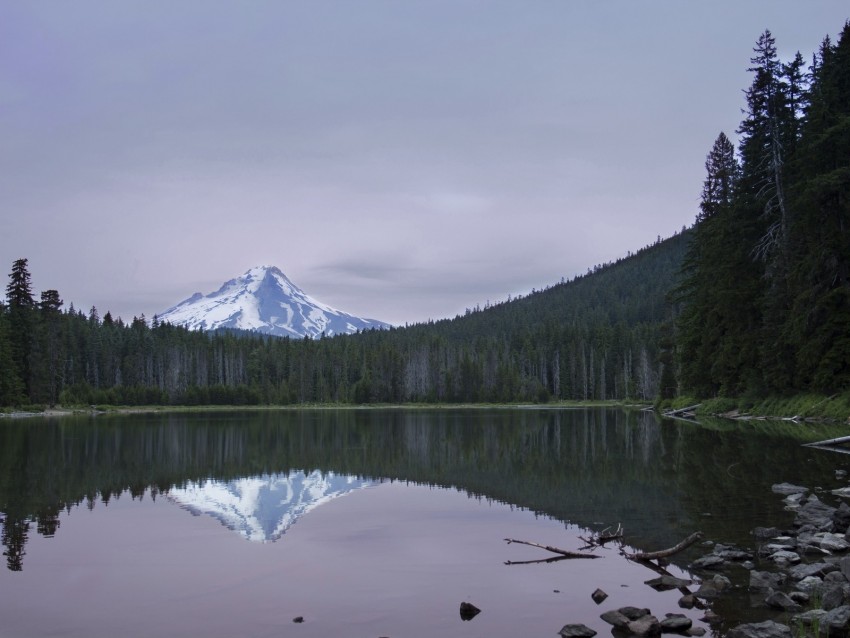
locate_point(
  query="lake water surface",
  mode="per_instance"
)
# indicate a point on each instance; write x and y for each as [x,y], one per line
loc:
[372,522]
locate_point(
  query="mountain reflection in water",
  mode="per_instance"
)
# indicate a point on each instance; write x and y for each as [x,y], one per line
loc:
[590,467]
[262,508]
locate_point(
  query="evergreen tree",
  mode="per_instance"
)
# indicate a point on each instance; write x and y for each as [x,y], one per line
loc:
[21,317]
[701,324]
[820,279]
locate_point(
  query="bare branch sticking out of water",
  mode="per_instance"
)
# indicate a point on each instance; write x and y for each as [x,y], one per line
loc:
[664,553]
[554,550]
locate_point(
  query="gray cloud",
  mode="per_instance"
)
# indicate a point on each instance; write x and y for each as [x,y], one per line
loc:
[398,160]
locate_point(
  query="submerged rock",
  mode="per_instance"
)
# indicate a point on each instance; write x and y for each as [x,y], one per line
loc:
[766,629]
[766,533]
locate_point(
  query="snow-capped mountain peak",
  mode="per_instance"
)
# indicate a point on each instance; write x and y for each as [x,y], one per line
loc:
[264,299]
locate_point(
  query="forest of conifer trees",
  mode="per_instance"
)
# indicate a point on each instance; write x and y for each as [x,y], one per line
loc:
[766,288]
[754,300]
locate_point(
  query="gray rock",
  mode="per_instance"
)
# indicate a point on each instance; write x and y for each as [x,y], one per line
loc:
[615,618]
[576,631]
[468,611]
[598,596]
[675,624]
[800,597]
[835,621]
[766,629]
[633,613]
[812,585]
[687,601]
[831,542]
[667,582]
[785,557]
[844,566]
[840,474]
[714,587]
[781,600]
[748,564]
[815,513]
[727,552]
[841,518]
[766,533]
[832,597]
[788,488]
[809,618]
[711,618]
[766,580]
[793,501]
[709,561]
[835,577]
[696,631]
[645,626]
[799,572]
[843,492]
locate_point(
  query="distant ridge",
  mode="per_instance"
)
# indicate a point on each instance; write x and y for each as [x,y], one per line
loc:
[264,300]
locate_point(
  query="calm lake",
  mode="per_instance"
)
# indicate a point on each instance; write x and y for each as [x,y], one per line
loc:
[373,522]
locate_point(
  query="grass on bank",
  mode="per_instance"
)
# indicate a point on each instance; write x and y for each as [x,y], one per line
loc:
[802,406]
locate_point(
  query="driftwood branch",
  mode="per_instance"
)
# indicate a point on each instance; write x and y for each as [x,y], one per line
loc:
[554,550]
[664,553]
[552,559]
[600,538]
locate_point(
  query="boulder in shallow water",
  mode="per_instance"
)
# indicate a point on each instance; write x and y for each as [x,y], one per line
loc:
[598,596]
[799,572]
[645,626]
[788,488]
[667,582]
[781,600]
[815,513]
[766,580]
[675,624]
[766,629]
[766,533]
[576,631]
[468,611]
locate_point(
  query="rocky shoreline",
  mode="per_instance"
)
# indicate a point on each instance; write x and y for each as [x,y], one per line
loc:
[800,576]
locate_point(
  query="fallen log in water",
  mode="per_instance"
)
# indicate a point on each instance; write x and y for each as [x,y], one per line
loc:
[664,553]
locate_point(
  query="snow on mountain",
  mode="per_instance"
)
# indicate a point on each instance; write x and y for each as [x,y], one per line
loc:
[265,300]
[262,508]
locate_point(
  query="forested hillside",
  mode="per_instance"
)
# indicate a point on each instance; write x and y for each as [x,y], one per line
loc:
[595,337]
[767,287]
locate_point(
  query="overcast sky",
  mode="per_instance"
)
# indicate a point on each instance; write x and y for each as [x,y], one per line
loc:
[398,159]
